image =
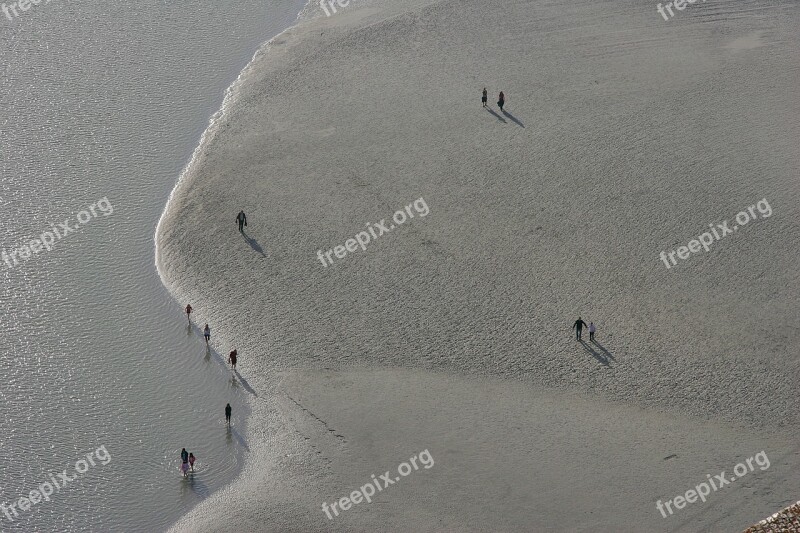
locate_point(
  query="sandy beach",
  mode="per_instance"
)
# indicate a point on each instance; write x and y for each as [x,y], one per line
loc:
[623,136]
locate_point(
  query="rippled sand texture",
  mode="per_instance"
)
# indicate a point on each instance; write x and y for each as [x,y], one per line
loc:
[625,135]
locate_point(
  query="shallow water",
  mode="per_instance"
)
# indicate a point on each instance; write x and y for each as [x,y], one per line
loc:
[106,100]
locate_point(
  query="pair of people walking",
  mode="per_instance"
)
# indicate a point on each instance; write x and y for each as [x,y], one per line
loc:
[578,327]
[501,100]
[187,461]
[231,356]
[206,329]
[207,336]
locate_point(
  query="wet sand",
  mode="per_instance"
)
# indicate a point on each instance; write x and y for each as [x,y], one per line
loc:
[623,136]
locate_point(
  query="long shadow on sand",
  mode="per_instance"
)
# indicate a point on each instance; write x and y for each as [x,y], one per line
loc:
[253,244]
[243,382]
[217,357]
[498,117]
[602,359]
[513,118]
[606,353]
[230,433]
[191,327]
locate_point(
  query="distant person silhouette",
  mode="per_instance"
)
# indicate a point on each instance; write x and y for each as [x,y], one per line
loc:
[184,455]
[242,220]
[232,359]
[188,312]
[577,326]
[228,413]
[484,98]
[501,101]
[592,329]
[207,333]
[191,461]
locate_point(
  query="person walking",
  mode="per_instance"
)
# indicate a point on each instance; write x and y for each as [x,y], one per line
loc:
[501,101]
[578,326]
[184,461]
[232,359]
[242,220]
[188,312]
[191,461]
[592,329]
[228,413]
[485,97]
[207,333]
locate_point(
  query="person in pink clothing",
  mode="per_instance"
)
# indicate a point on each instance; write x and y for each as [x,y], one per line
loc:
[191,461]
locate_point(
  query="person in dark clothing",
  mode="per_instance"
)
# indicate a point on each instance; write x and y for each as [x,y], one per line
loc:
[484,98]
[501,101]
[578,326]
[232,359]
[242,220]
[207,333]
[227,413]
[184,456]
[188,312]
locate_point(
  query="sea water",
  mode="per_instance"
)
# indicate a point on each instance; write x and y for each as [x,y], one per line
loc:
[103,379]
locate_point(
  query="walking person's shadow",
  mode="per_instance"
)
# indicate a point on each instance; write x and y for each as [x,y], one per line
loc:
[602,359]
[606,353]
[253,244]
[244,383]
[498,117]
[513,118]
[233,433]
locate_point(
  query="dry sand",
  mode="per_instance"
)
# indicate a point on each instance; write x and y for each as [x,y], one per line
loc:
[626,135]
